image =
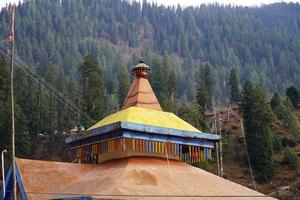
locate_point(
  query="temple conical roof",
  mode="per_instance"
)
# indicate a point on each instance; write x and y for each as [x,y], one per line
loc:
[141,95]
[142,107]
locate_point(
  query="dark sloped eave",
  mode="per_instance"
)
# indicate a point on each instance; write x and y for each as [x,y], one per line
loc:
[142,128]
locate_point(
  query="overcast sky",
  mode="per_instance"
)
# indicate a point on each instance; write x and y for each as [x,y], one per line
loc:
[236,2]
[195,2]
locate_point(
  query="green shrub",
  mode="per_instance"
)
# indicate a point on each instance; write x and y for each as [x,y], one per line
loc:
[277,144]
[275,101]
[285,114]
[206,165]
[290,157]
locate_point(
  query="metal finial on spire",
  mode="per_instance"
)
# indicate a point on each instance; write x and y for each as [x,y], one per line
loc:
[141,60]
[141,70]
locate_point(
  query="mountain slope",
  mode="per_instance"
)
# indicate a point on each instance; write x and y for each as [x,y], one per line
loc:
[262,43]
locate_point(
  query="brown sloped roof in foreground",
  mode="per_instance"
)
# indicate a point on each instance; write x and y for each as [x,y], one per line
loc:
[131,178]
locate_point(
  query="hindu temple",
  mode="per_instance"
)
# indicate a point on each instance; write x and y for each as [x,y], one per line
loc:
[139,152]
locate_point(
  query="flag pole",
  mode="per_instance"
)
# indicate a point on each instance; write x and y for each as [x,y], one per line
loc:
[12,101]
[3,175]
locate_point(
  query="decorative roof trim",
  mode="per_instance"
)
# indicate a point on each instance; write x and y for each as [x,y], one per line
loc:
[143,128]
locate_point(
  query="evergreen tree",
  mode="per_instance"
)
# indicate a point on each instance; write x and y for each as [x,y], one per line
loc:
[284,113]
[64,122]
[5,104]
[202,97]
[257,116]
[293,95]
[172,85]
[208,83]
[234,87]
[123,84]
[92,91]
[52,115]
[204,94]
[194,115]
[169,85]
[204,87]
[290,158]
[275,101]
[74,96]
[23,142]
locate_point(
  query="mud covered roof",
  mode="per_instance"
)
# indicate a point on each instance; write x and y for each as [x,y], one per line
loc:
[130,178]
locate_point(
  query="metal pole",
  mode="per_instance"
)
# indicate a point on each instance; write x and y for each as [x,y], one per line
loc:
[221,147]
[3,175]
[228,111]
[218,160]
[217,144]
[12,103]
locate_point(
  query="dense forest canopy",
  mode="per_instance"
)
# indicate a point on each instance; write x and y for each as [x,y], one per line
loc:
[261,43]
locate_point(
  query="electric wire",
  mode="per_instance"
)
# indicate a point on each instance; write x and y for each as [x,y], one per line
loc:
[61,100]
[50,87]
[172,178]
[58,95]
[247,153]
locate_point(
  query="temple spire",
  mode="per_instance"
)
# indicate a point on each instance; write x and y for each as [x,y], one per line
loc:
[141,70]
[140,92]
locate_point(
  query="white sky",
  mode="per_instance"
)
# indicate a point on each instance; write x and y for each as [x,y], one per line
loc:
[235,2]
[195,2]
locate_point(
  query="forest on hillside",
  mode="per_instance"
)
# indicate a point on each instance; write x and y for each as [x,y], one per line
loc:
[199,58]
[261,43]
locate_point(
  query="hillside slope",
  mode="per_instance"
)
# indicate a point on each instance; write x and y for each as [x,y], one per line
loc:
[236,168]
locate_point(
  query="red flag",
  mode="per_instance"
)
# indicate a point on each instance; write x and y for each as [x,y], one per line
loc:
[10,36]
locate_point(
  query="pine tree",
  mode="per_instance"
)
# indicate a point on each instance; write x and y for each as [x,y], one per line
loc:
[275,101]
[52,115]
[91,83]
[202,97]
[204,87]
[169,85]
[257,116]
[74,96]
[5,104]
[284,112]
[23,141]
[208,83]
[293,95]
[123,84]
[64,120]
[204,92]
[172,86]
[234,87]
[194,115]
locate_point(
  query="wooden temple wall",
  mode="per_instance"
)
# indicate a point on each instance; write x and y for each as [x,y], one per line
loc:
[196,154]
[124,147]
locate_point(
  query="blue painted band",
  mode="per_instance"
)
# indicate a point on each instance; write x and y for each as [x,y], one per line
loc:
[175,140]
[142,128]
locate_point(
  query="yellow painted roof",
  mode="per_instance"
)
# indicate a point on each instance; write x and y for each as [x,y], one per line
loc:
[146,117]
